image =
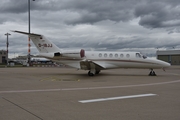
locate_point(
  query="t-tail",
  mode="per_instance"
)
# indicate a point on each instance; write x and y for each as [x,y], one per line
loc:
[44,46]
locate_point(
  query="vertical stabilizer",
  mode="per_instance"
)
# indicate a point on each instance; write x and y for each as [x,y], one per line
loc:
[42,43]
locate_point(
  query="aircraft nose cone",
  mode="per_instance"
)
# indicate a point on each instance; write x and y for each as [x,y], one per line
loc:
[165,64]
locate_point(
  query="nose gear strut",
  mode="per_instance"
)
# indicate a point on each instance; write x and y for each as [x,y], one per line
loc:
[152,73]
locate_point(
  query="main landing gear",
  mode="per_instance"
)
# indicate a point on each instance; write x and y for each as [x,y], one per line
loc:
[93,70]
[92,73]
[152,73]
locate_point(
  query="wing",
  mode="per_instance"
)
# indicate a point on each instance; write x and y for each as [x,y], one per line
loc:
[85,65]
[99,65]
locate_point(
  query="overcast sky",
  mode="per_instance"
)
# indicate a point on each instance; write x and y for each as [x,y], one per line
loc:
[115,25]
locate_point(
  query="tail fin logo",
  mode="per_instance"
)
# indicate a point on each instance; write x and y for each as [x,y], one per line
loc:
[45,45]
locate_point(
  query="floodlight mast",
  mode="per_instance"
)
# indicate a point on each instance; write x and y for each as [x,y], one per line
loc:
[7,43]
[29,40]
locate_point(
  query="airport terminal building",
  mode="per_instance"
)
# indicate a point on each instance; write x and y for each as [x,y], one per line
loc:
[3,56]
[170,56]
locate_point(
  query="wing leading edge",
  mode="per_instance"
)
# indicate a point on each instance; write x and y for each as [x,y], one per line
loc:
[86,65]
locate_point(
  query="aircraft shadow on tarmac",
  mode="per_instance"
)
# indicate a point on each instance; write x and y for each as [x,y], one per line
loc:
[98,75]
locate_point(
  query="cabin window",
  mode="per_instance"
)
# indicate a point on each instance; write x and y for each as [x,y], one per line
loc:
[105,55]
[127,55]
[116,55]
[111,55]
[121,55]
[100,55]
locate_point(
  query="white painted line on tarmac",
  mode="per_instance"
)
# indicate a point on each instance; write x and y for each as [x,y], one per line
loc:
[116,98]
[173,74]
[89,88]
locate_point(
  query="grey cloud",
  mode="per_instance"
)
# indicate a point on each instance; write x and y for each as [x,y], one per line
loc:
[152,13]
[118,43]
[94,11]
[13,6]
[158,14]
[90,11]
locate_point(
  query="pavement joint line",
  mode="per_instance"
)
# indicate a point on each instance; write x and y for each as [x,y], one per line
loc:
[22,108]
[174,74]
[88,88]
[116,98]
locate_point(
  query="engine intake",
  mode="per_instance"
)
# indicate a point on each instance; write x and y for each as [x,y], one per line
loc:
[82,53]
[57,54]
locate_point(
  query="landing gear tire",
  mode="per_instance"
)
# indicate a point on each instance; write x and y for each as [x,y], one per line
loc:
[152,73]
[97,72]
[90,74]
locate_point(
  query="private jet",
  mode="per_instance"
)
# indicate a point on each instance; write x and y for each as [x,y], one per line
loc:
[94,61]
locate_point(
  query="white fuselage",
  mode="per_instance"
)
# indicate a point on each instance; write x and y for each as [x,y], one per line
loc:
[110,60]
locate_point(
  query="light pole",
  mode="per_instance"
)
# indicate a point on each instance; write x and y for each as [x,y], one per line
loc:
[29,40]
[7,43]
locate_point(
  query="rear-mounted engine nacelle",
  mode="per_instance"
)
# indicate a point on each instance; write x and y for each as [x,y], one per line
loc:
[47,55]
[74,53]
[58,54]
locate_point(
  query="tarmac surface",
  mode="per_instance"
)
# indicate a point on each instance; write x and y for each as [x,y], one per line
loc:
[57,94]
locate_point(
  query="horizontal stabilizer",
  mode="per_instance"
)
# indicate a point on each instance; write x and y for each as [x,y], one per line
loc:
[32,34]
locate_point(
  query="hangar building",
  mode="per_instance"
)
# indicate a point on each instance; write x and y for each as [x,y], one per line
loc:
[170,56]
[3,56]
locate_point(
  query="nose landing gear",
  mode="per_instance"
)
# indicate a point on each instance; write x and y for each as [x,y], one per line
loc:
[152,73]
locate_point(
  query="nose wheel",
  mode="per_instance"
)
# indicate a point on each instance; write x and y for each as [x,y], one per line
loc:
[152,73]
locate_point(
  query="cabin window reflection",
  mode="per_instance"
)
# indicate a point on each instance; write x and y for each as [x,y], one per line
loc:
[121,55]
[127,55]
[100,55]
[116,55]
[111,55]
[105,55]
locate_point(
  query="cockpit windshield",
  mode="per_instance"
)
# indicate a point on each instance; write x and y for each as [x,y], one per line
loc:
[144,56]
[139,55]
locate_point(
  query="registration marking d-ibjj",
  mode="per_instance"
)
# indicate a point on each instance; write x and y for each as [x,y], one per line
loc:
[116,98]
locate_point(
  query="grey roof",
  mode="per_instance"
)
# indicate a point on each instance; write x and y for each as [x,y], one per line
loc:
[168,52]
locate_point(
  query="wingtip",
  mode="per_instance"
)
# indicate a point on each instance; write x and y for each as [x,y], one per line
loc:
[12,30]
[15,31]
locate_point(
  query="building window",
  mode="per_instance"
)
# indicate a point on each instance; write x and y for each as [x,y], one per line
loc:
[4,59]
